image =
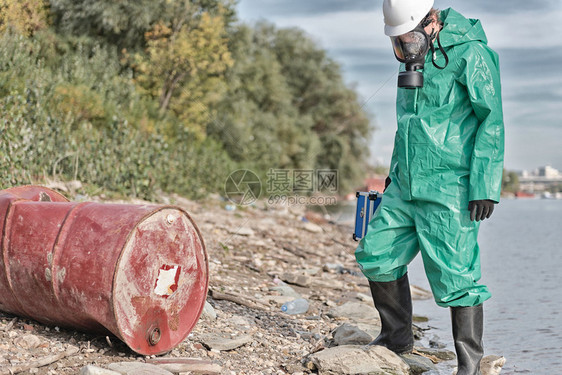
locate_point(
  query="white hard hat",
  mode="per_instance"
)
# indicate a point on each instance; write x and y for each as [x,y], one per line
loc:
[402,16]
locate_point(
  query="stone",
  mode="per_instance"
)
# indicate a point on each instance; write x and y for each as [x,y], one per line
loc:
[137,368]
[209,311]
[296,278]
[355,359]
[285,290]
[356,311]
[94,370]
[189,365]
[435,343]
[332,267]
[327,283]
[313,228]
[241,323]
[220,343]
[28,341]
[371,328]
[364,298]
[492,365]
[348,334]
[418,364]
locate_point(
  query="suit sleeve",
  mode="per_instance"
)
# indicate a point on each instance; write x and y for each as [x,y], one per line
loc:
[482,80]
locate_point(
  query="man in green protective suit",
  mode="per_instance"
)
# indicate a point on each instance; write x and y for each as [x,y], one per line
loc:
[445,175]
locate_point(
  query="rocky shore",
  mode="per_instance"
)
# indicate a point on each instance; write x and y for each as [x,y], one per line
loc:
[260,257]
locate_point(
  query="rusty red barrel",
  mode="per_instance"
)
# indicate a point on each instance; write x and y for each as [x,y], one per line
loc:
[138,271]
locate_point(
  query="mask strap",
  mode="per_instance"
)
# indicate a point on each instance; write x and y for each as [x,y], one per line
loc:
[434,55]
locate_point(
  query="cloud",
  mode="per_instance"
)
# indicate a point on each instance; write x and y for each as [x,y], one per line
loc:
[290,8]
[500,6]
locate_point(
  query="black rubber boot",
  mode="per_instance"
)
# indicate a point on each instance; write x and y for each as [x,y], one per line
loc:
[394,304]
[468,325]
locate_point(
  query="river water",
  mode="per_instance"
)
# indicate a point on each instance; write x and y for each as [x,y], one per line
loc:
[521,254]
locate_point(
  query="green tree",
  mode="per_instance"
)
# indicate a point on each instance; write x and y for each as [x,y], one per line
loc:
[123,23]
[23,17]
[183,66]
[320,93]
[288,107]
[510,181]
[256,121]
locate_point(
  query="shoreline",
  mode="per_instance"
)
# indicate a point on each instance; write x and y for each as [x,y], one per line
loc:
[259,258]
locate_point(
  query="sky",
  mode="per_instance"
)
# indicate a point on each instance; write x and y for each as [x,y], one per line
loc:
[526,34]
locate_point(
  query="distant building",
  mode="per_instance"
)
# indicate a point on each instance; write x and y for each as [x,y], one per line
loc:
[540,180]
[548,172]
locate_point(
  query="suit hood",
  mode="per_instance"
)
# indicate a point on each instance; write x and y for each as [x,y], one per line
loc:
[458,29]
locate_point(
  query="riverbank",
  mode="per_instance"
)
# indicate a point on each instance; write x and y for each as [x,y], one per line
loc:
[260,257]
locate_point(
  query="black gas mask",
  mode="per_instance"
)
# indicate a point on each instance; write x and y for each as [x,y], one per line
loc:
[411,49]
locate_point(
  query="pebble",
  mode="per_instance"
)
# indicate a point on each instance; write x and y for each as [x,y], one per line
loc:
[94,370]
[297,278]
[220,343]
[191,365]
[418,364]
[356,311]
[209,311]
[355,359]
[28,341]
[137,368]
[348,334]
[313,228]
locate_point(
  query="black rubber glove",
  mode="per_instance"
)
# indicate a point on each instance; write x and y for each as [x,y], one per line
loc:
[481,209]
[387,182]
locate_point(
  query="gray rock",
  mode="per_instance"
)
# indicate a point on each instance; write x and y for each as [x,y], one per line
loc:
[28,341]
[332,267]
[348,334]
[356,311]
[364,298]
[242,324]
[209,311]
[435,343]
[327,283]
[189,365]
[313,228]
[492,364]
[297,278]
[94,370]
[285,290]
[354,359]
[221,343]
[137,368]
[372,328]
[312,271]
[418,364]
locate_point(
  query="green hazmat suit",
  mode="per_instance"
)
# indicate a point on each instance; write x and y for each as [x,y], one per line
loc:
[448,150]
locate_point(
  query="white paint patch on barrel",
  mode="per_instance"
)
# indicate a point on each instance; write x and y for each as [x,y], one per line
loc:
[167,281]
